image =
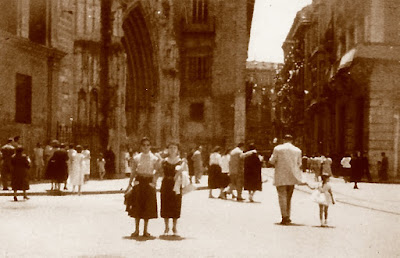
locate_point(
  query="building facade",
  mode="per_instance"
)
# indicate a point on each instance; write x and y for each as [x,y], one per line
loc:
[260,103]
[106,73]
[31,54]
[348,57]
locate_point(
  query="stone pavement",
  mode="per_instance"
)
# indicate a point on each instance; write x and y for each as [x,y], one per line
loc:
[381,197]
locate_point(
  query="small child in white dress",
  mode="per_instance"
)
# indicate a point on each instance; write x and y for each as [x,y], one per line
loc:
[101,162]
[323,196]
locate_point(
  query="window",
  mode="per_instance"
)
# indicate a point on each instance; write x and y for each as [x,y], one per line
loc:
[200,11]
[23,99]
[37,21]
[199,68]
[197,111]
[8,14]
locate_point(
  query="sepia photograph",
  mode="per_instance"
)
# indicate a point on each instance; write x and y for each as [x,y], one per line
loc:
[199,128]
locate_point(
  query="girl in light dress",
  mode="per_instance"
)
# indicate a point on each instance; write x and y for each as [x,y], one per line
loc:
[323,196]
[101,163]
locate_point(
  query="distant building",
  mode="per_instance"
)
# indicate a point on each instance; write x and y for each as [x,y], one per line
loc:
[31,54]
[260,104]
[346,59]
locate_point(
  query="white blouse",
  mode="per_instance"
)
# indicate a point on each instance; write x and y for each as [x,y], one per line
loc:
[215,158]
[146,164]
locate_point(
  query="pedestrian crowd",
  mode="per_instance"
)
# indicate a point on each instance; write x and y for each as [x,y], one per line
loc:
[57,162]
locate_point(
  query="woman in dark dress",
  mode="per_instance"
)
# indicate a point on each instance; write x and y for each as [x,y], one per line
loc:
[171,199]
[19,177]
[215,173]
[140,199]
[357,169]
[252,173]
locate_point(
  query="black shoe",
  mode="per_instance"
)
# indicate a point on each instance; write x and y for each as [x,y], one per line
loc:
[26,198]
[15,199]
[239,199]
[5,189]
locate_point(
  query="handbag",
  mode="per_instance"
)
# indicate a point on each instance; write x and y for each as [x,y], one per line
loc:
[319,197]
[189,188]
[128,194]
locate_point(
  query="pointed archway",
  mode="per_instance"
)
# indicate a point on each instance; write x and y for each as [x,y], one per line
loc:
[142,75]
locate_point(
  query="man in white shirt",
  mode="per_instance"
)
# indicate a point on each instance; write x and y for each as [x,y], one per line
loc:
[287,160]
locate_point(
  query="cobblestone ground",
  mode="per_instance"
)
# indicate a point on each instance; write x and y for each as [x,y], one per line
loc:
[97,226]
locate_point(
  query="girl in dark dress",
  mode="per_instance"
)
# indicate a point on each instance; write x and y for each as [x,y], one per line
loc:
[19,177]
[252,173]
[171,201]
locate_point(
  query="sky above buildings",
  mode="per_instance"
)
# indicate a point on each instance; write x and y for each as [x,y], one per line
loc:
[272,20]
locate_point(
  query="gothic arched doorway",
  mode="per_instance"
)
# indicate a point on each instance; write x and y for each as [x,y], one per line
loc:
[142,75]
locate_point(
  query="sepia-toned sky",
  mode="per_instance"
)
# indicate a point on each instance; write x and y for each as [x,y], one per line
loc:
[271,22]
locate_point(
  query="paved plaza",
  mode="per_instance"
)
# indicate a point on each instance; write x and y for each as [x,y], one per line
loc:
[96,225]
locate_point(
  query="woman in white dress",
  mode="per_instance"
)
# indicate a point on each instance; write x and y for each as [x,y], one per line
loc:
[77,176]
[86,161]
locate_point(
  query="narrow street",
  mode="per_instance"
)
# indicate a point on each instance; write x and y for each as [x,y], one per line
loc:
[97,226]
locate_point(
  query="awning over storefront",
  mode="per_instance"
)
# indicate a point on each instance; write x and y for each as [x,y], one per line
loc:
[347,59]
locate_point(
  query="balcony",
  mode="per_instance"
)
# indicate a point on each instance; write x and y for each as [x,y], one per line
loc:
[206,27]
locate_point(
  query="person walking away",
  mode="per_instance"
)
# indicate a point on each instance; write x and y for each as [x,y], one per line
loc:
[7,151]
[366,166]
[357,169]
[77,173]
[224,180]
[287,161]
[171,200]
[383,170]
[190,164]
[198,164]
[101,162]
[214,172]
[109,156]
[38,161]
[20,176]
[86,162]
[60,166]
[326,165]
[346,167]
[50,170]
[141,203]
[324,199]
[252,173]
[71,152]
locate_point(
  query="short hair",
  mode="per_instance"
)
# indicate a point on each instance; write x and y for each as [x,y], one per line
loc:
[240,144]
[252,146]
[144,139]
[216,149]
[19,149]
[173,144]
[383,153]
[288,137]
[16,138]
